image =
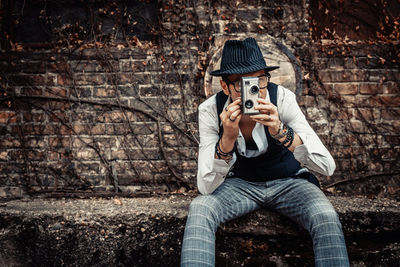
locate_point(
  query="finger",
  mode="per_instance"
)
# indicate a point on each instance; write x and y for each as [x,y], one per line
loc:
[237,101]
[259,117]
[263,101]
[262,107]
[236,113]
[232,109]
[269,108]
[263,117]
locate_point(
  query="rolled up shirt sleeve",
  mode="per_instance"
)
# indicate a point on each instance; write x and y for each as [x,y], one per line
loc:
[211,171]
[312,154]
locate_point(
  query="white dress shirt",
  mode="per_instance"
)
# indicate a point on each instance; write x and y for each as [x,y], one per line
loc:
[211,173]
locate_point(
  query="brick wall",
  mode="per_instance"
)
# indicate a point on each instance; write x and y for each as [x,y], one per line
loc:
[113,116]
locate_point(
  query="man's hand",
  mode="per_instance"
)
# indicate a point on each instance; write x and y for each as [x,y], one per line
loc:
[230,119]
[268,116]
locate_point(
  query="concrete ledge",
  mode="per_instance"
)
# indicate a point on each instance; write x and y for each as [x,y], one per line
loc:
[148,231]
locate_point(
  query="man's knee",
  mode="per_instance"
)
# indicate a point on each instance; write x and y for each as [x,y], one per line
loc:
[325,218]
[205,207]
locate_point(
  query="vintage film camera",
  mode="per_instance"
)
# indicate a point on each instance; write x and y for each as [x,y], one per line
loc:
[249,87]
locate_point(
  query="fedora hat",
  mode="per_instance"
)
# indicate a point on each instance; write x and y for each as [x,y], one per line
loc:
[240,57]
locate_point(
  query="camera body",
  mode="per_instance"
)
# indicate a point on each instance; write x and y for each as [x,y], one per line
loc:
[250,89]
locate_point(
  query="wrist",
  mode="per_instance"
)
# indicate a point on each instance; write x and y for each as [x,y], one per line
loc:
[228,140]
[275,130]
[226,144]
[279,132]
[221,153]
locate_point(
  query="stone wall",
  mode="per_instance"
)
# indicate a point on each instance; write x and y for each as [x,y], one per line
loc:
[119,114]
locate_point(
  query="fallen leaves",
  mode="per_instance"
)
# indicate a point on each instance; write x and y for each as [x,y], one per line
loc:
[117,201]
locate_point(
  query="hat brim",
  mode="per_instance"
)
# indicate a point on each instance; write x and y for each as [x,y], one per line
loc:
[242,70]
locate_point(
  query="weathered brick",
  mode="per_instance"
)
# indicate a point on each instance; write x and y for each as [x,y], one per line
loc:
[306,101]
[35,142]
[276,13]
[391,88]
[340,140]
[122,78]
[10,142]
[176,140]
[82,91]
[34,67]
[28,80]
[149,140]
[390,113]
[55,92]
[335,63]
[248,15]
[10,67]
[64,80]
[87,167]
[93,79]
[57,116]
[384,100]
[396,126]
[346,88]
[113,116]
[137,127]
[342,76]
[137,154]
[81,141]
[340,113]
[91,66]
[348,101]
[86,154]
[104,92]
[133,66]
[366,114]
[9,117]
[58,105]
[350,63]
[97,129]
[59,141]
[393,139]
[31,91]
[3,156]
[391,75]
[59,67]
[149,91]
[370,88]
[129,90]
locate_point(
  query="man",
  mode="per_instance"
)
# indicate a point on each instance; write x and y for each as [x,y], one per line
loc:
[247,162]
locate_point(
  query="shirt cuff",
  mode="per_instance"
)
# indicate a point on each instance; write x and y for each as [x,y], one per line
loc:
[222,167]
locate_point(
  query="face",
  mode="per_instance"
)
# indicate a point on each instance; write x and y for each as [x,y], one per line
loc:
[233,89]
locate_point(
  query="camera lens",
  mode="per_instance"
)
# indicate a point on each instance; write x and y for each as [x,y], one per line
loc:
[248,104]
[254,89]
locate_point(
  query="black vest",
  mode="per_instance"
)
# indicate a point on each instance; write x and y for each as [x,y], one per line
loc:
[277,162]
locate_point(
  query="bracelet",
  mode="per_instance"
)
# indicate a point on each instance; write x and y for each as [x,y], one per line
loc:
[221,154]
[282,131]
[289,138]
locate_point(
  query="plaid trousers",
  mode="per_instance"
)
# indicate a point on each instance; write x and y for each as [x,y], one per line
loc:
[296,198]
